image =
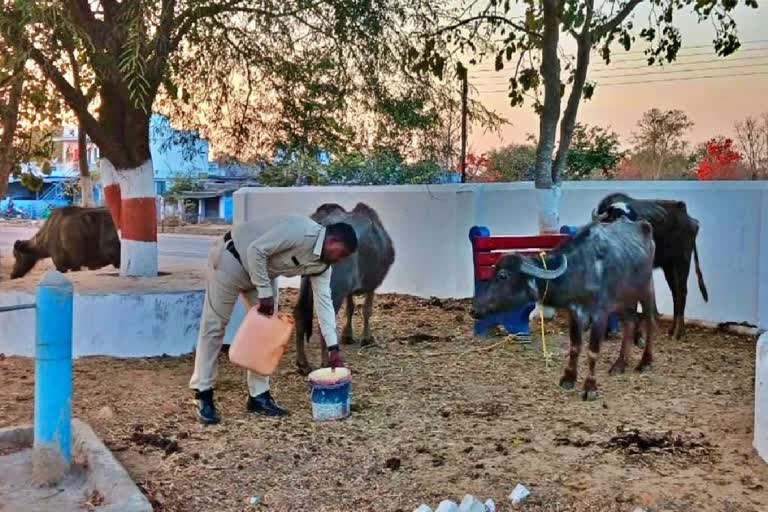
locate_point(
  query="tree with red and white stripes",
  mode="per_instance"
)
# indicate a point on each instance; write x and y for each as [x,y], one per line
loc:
[203,53]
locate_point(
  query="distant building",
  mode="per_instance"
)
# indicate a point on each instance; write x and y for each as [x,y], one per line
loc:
[177,153]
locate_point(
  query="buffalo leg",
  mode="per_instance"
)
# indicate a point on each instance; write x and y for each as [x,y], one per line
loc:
[347,336]
[682,269]
[670,273]
[368,338]
[596,335]
[629,331]
[646,362]
[570,373]
[302,365]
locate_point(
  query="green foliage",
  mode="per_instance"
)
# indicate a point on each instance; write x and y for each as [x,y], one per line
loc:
[181,184]
[660,143]
[382,168]
[132,59]
[514,162]
[593,149]
[32,182]
[300,169]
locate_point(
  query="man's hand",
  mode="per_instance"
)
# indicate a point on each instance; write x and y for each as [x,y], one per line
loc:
[267,306]
[334,358]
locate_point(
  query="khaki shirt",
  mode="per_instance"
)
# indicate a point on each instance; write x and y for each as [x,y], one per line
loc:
[288,246]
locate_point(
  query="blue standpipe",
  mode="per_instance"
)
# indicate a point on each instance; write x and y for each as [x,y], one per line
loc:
[53,364]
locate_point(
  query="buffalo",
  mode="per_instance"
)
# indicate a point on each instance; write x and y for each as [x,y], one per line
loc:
[674,232]
[603,268]
[73,237]
[360,274]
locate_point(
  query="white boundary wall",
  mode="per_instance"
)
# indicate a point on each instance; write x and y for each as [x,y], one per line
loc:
[429,225]
[127,324]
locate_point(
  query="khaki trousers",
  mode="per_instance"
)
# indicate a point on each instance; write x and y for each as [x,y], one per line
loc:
[226,279]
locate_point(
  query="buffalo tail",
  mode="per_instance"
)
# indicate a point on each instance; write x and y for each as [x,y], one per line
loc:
[702,286]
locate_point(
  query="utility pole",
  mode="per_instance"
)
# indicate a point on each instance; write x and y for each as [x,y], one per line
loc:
[464,94]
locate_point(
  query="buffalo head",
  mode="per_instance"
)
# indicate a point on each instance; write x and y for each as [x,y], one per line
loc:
[25,256]
[514,284]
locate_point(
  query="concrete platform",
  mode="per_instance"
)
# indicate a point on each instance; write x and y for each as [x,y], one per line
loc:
[119,323]
[98,478]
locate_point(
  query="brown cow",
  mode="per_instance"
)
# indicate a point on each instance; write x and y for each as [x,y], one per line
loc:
[73,237]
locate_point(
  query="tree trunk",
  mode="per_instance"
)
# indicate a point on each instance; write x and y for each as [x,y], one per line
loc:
[129,187]
[548,190]
[138,221]
[568,123]
[86,185]
[10,121]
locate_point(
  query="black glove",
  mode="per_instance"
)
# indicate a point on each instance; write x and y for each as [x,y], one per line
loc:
[267,306]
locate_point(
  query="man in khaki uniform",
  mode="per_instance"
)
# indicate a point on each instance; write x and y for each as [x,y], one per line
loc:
[248,260]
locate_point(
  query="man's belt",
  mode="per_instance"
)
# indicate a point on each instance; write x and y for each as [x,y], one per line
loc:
[229,245]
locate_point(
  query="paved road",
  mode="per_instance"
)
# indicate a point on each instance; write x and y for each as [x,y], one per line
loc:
[172,247]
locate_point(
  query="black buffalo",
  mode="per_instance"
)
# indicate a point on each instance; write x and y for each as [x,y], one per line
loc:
[604,268]
[73,237]
[359,274]
[674,232]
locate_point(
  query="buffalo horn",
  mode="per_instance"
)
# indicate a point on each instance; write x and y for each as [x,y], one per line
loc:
[527,267]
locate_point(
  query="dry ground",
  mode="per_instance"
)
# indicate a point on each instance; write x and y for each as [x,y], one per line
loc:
[435,417]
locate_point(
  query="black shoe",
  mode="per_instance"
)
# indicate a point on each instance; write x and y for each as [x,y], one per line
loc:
[206,409]
[265,405]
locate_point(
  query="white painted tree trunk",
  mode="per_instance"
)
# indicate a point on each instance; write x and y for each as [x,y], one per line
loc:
[549,209]
[548,200]
[86,192]
[138,221]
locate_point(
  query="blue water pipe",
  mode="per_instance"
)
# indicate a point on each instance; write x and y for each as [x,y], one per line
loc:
[53,364]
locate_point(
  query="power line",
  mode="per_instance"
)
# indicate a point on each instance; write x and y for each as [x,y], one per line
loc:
[645,59]
[660,72]
[666,80]
[688,70]
[685,79]
[707,61]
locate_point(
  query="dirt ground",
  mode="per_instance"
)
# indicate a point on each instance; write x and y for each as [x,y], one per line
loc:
[437,414]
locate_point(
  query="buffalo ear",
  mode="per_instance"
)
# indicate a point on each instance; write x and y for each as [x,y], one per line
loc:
[18,245]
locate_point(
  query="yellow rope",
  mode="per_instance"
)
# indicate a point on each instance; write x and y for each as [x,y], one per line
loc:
[544,351]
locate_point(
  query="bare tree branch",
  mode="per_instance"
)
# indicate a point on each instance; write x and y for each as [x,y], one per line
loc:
[487,17]
[617,20]
[74,99]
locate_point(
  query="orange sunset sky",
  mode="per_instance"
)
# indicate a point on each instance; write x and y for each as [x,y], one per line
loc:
[713,104]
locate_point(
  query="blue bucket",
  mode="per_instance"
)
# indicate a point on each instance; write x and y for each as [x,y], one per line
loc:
[331,391]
